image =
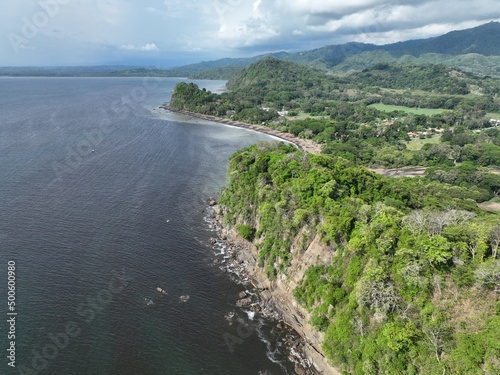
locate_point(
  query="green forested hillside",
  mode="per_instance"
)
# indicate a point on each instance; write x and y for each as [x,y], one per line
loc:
[274,75]
[482,40]
[432,78]
[276,83]
[479,41]
[225,72]
[415,280]
[471,62]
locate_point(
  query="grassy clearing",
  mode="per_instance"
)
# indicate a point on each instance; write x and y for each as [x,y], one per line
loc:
[304,116]
[415,111]
[494,115]
[494,170]
[417,144]
[493,205]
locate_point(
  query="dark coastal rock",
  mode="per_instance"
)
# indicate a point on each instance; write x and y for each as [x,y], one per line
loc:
[236,262]
[212,241]
[299,370]
[255,308]
[229,317]
[242,294]
[244,302]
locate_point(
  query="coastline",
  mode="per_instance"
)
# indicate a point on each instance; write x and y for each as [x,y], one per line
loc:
[272,299]
[301,143]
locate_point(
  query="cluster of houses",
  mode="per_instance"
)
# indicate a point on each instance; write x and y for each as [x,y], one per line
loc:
[414,135]
[281,113]
[411,134]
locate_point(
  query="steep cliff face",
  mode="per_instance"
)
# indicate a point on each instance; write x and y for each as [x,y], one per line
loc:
[278,293]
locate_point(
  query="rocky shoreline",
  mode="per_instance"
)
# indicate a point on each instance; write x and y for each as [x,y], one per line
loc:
[238,259]
[273,300]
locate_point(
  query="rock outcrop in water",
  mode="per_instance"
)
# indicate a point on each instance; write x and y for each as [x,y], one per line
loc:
[162,292]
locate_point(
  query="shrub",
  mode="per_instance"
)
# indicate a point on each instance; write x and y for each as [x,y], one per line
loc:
[246,231]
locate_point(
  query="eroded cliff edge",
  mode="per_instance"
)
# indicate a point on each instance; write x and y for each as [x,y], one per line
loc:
[277,294]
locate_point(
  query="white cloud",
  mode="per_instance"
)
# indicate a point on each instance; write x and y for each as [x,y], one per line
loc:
[119,29]
[325,6]
[256,6]
[146,47]
[245,24]
[390,23]
[426,31]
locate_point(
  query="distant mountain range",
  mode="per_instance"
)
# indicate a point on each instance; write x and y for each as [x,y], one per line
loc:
[482,40]
[476,50]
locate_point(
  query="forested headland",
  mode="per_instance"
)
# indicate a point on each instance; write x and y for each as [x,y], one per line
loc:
[414,283]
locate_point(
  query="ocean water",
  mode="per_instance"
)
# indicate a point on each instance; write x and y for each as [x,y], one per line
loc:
[101,202]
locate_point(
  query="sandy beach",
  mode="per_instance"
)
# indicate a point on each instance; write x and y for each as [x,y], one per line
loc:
[302,144]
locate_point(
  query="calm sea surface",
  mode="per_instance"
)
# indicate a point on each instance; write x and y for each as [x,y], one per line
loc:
[101,201]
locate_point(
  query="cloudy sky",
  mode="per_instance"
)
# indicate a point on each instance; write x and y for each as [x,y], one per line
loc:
[173,32]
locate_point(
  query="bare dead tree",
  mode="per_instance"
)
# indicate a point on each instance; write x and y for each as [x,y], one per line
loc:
[381,296]
[416,221]
[488,275]
[435,339]
[494,238]
[434,221]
